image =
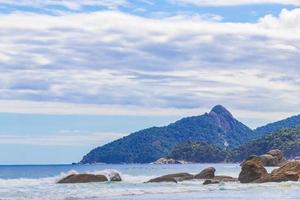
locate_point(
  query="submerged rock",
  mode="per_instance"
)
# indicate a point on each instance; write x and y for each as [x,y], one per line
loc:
[172,178]
[83,178]
[209,182]
[225,179]
[208,173]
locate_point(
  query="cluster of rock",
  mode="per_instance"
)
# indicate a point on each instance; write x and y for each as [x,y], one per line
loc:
[272,158]
[163,161]
[253,171]
[89,178]
[207,174]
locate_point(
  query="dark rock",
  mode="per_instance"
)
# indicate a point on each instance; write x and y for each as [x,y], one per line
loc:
[252,171]
[114,176]
[208,173]
[209,182]
[225,179]
[269,160]
[277,154]
[172,178]
[83,178]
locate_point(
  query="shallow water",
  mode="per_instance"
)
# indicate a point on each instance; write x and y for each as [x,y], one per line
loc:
[36,182]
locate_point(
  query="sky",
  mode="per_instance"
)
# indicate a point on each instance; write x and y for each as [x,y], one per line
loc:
[76,74]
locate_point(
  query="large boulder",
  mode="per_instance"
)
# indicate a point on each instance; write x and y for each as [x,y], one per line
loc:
[252,171]
[208,173]
[172,178]
[288,172]
[269,160]
[83,178]
[272,158]
[277,154]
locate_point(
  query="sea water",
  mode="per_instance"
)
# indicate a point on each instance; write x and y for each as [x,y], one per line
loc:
[39,182]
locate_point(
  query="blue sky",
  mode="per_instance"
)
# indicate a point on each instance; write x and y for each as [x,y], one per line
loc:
[77,74]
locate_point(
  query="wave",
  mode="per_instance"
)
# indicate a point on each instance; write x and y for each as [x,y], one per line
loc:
[24,189]
[54,179]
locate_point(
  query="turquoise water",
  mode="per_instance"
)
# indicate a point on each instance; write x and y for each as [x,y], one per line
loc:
[39,182]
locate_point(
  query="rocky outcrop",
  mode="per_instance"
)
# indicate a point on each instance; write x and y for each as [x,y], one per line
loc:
[172,178]
[208,173]
[290,171]
[83,178]
[272,158]
[168,161]
[89,178]
[252,171]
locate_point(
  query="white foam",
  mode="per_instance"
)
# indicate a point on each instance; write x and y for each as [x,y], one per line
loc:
[34,189]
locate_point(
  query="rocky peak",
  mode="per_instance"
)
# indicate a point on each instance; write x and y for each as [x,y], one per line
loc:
[223,117]
[220,110]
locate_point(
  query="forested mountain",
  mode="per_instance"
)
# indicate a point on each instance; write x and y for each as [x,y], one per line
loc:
[218,127]
[273,127]
[287,140]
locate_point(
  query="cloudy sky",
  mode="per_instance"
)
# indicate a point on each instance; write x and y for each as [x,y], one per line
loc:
[75,74]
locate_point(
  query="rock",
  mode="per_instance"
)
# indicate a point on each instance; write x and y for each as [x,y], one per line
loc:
[252,171]
[282,177]
[83,178]
[252,157]
[208,173]
[172,178]
[167,161]
[288,172]
[209,182]
[225,179]
[114,176]
[269,160]
[277,154]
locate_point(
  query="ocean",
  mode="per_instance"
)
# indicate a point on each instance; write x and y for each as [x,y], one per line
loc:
[39,182]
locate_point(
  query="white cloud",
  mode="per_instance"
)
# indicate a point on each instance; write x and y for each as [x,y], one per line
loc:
[235,2]
[65,139]
[115,63]
[70,4]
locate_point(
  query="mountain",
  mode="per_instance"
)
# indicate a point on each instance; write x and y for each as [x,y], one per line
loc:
[287,140]
[218,127]
[273,127]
